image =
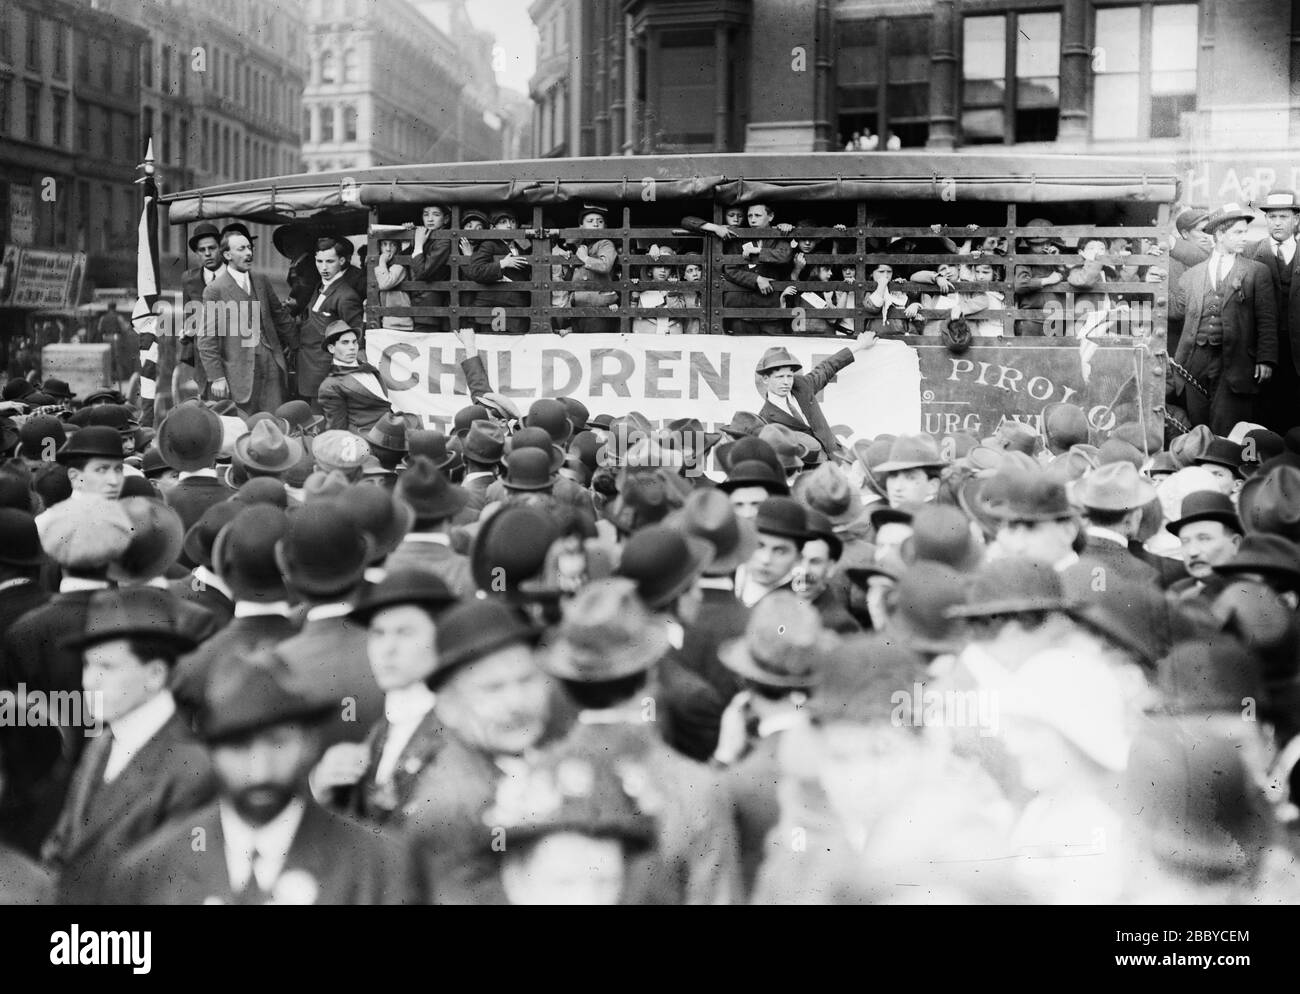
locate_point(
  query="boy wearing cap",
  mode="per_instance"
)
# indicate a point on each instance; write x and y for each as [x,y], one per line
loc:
[595,262]
[912,473]
[1228,348]
[145,768]
[495,262]
[1278,252]
[759,280]
[353,395]
[430,258]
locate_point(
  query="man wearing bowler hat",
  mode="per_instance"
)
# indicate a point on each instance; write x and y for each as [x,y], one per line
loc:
[93,457]
[266,840]
[790,398]
[1228,349]
[1278,253]
[189,440]
[782,530]
[144,768]
[436,501]
[1209,532]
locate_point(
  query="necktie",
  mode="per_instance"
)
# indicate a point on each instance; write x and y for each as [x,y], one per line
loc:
[252,892]
[93,764]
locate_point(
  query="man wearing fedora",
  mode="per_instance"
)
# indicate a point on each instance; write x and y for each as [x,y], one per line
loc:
[189,440]
[482,450]
[353,395]
[1209,533]
[1228,350]
[144,768]
[790,398]
[1112,497]
[436,501]
[1278,253]
[267,840]
[604,652]
[246,332]
[913,472]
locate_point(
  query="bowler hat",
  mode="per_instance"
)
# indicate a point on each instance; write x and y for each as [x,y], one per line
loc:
[586,447]
[529,469]
[16,489]
[781,516]
[777,357]
[238,228]
[1206,505]
[243,555]
[17,389]
[189,437]
[753,473]
[20,543]
[323,553]
[300,416]
[551,416]
[731,454]
[1221,452]
[921,600]
[792,448]
[336,330]
[510,547]
[663,562]
[431,496]
[1273,556]
[203,533]
[204,229]
[157,534]
[1271,502]
[1116,486]
[485,442]
[784,646]
[33,434]
[578,413]
[1065,425]
[607,633]
[1011,586]
[827,489]
[430,444]
[390,431]
[379,513]
[708,515]
[95,442]
[266,449]
[942,534]
[742,423]
[130,612]
[58,389]
[252,691]
[85,534]
[341,450]
[420,587]
[1228,214]
[466,416]
[535,438]
[911,452]
[882,514]
[473,629]
[263,490]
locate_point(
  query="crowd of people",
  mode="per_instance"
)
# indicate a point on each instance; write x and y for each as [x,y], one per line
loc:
[558,656]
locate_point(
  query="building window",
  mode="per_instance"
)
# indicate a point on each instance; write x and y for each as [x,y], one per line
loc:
[4,106]
[165,70]
[6,32]
[146,125]
[203,146]
[83,127]
[61,40]
[306,124]
[83,213]
[327,66]
[33,41]
[351,71]
[326,124]
[106,195]
[182,141]
[146,63]
[107,142]
[60,118]
[166,148]
[107,70]
[349,123]
[1025,47]
[33,113]
[883,81]
[1141,90]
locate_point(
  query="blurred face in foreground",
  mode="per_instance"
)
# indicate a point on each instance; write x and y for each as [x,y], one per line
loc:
[774,558]
[261,773]
[497,703]
[401,646]
[1046,542]
[566,868]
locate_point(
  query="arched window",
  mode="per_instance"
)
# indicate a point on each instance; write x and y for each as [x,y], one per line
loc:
[349,123]
[350,71]
[327,66]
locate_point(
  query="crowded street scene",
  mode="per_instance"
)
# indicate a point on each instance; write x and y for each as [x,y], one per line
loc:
[648,512]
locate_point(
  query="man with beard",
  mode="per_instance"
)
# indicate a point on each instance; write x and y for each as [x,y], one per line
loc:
[267,841]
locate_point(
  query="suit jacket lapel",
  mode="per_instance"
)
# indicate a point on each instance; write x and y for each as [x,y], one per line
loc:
[139,778]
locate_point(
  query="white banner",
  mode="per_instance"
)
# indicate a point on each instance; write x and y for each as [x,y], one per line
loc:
[665,377]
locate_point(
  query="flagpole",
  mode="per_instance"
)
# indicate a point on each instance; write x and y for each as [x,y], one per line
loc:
[143,319]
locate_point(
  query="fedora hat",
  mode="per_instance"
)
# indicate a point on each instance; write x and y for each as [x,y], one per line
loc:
[58,389]
[431,496]
[299,415]
[20,542]
[1228,214]
[322,485]
[550,415]
[1135,616]
[1271,503]
[646,495]
[1209,674]
[607,633]
[827,489]
[1116,486]
[390,431]
[781,516]
[295,239]
[777,357]
[1280,200]
[266,449]
[251,691]
[204,229]
[201,535]
[1206,505]
[419,587]
[942,534]
[530,469]
[853,693]
[341,450]
[243,555]
[157,534]
[238,228]
[742,423]
[485,441]
[322,553]
[784,646]
[380,514]
[688,435]
[663,562]
[190,437]
[263,490]
[870,455]
[1270,555]
[1017,493]
[708,515]
[753,473]
[130,612]
[911,452]
[17,388]
[95,442]
[85,534]
[1070,466]
[920,602]
[336,330]
[1221,452]
[469,631]
[510,547]
[745,449]
[792,448]
[1011,586]
[432,445]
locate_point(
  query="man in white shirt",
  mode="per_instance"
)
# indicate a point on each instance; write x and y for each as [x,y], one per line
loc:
[145,767]
[93,457]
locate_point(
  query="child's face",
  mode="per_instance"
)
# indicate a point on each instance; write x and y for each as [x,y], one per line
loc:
[882,272]
[658,273]
[992,243]
[694,274]
[983,274]
[434,217]
[735,215]
[825,274]
[806,245]
[847,273]
[473,224]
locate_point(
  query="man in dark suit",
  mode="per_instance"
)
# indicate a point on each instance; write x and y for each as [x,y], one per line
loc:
[430,263]
[21,559]
[1112,497]
[1278,409]
[482,450]
[146,768]
[205,242]
[246,332]
[203,587]
[334,300]
[189,440]
[266,840]
[436,501]
[1210,532]
[1228,349]
[790,398]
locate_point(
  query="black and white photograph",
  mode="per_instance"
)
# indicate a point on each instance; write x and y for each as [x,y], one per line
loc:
[836,453]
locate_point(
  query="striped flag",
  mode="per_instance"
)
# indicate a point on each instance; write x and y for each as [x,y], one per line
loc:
[143,318]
